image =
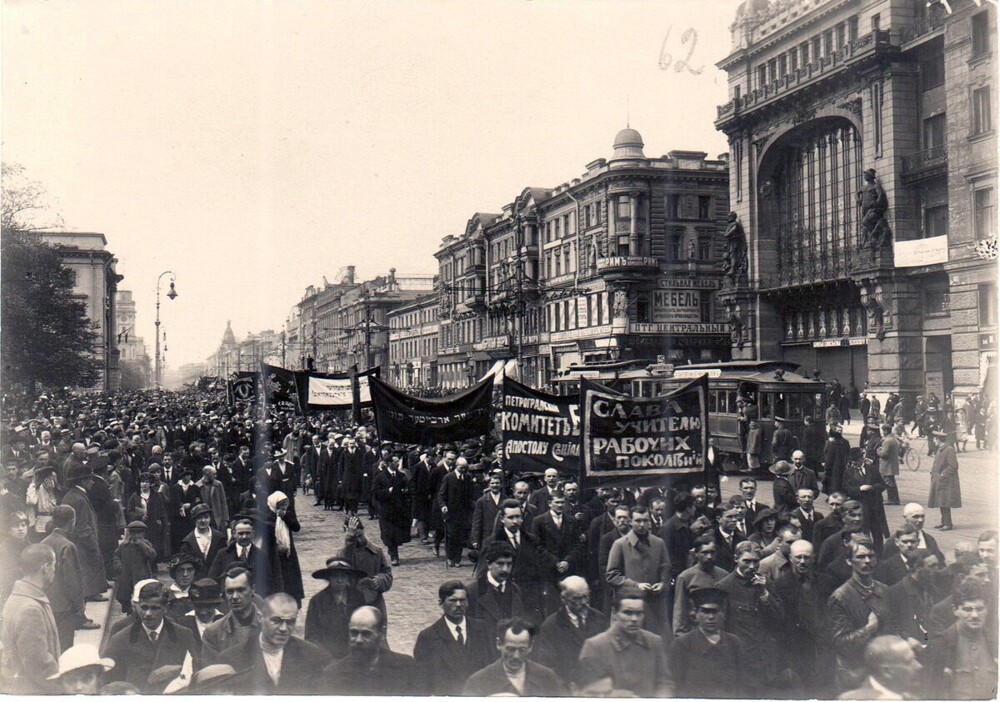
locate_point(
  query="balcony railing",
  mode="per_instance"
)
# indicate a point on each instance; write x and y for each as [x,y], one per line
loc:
[929,159]
[825,66]
[922,26]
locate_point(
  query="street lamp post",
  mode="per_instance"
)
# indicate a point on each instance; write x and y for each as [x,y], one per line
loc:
[172,293]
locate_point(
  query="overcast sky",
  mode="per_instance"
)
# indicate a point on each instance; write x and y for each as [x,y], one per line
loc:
[253,147]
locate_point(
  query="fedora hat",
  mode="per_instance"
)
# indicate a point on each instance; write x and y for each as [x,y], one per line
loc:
[334,565]
[78,472]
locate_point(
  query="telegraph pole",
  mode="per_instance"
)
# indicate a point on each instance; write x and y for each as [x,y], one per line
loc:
[282,349]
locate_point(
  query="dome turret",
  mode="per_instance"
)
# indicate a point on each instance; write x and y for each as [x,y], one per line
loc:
[628,145]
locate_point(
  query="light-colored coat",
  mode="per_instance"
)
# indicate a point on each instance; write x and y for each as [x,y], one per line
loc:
[30,640]
[888,454]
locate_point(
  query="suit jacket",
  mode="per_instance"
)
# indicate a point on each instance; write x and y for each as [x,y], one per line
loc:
[485,605]
[190,622]
[751,514]
[563,543]
[300,665]
[530,569]
[327,620]
[890,547]
[189,544]
[827,527]
[910,609]
[676,534]
[539,681]
[136,656]
[442,664]
[808,525]
[351,469]
[393,674]
[891,570]
[484,517]
[724,551]
[226,558]
[540,499]
[599,526]
[459,496]
[559,641]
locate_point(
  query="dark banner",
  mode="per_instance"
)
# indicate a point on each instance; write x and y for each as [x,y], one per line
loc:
[280,390]
[539,430]
[628,437]
[241,388]
[416,420]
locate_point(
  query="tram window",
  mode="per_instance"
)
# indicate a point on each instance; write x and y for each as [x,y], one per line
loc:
[795,406]
[713,400]
[727,401]
[766,405]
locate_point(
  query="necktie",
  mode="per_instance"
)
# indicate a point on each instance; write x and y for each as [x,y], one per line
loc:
[458,632]
[517,540]
[153,636]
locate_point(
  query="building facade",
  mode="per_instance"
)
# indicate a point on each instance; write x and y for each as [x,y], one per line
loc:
[95,281]
[131,346]
[863,172]
[414,329]
[620,263]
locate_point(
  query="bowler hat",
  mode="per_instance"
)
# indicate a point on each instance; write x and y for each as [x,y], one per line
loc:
[338,565]
[205,591]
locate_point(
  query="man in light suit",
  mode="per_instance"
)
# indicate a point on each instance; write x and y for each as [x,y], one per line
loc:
[639,559]
[452,648]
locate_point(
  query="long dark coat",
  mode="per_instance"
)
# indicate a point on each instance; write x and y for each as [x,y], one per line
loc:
[155,518]
[327,620]
[352,469]
[420,491]
[946,490]
[392,491]
[85,537]
[871,500]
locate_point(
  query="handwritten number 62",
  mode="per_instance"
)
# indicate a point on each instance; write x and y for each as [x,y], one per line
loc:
[666,58]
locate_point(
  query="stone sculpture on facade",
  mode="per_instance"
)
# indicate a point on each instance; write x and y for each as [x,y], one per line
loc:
[734,265]
[874,204]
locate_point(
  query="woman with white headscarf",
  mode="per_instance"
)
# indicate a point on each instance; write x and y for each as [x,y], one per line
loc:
[279,525]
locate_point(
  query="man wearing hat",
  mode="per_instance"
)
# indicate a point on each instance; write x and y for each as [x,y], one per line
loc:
[368,558]
[204,541]
[708,661]
[330,609]
[783,441]
[66,592]
[391,490]
[835,455]
[150,642]
[946,490]
[134,561]
[206,598]
[84,532]
[81,670]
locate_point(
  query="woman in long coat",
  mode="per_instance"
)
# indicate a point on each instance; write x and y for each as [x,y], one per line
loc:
[278,526]
[946,491]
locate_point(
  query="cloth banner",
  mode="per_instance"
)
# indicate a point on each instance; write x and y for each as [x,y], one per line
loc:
[241,387]
[364,393]
[631,437]
[415,420]
[539,430]
[319,392]
[280,388]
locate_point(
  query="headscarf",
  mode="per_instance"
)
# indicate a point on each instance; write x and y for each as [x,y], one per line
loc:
[281,533]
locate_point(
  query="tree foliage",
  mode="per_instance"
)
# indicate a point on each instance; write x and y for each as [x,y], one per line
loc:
[136,374]
[46,338]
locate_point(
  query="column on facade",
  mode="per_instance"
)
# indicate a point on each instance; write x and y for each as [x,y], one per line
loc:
[633,234]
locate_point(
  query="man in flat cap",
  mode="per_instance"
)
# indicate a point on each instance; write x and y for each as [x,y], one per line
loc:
[707,661]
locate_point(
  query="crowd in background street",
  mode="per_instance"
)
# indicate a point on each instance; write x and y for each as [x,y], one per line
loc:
[188,508]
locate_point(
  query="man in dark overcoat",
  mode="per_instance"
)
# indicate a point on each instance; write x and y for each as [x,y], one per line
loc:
[391,490]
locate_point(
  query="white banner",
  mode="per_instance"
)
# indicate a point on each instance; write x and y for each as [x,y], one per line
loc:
[327,391]
[364,391]
[920,252]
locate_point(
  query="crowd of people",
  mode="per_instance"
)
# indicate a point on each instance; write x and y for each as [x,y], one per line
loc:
[186,509]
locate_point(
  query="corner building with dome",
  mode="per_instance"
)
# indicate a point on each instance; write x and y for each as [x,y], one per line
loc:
[892,99]
[622,262]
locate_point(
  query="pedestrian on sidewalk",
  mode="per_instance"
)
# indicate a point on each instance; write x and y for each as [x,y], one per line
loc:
[946,490]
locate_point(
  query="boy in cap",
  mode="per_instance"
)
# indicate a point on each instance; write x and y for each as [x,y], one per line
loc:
[708,661]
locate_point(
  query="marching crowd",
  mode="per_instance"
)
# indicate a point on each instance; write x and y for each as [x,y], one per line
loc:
[186,509]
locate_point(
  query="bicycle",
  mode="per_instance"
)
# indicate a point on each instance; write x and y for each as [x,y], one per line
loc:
[909,454]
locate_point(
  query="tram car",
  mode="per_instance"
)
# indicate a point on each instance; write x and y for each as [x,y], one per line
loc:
[775,387]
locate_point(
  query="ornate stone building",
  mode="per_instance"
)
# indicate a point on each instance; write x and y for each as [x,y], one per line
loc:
[414,330]
[95,281]
[863,171]
[622,262]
